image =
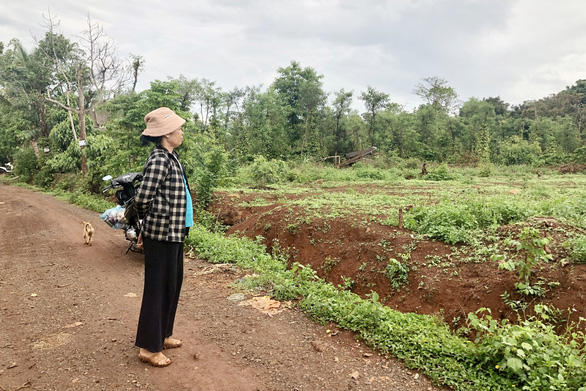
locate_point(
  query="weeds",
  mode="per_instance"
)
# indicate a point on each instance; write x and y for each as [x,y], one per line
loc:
[531,246]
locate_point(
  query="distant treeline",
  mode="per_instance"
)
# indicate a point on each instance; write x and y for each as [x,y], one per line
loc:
[70,106]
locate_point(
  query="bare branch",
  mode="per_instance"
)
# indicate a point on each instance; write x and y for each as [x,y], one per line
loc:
[63,106]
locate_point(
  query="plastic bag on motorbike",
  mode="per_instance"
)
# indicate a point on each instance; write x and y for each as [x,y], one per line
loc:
[114,217]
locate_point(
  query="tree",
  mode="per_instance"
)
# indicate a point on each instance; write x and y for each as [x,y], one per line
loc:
[436,92]
[88,75]
[299,92]
[480,125]
[137,66]
[342,102]
[311,96]
[374,101]
[25,79]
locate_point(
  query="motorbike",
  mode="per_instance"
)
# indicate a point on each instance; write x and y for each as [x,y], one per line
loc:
[124,216]
[6,169]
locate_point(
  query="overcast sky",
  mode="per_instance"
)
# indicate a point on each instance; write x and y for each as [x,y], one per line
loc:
[516,49]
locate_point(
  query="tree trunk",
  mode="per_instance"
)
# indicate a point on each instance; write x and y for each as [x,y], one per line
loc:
[81,118]
[42,115]
[304,135]
[35,147]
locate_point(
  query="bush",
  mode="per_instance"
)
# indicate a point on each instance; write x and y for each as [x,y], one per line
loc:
[442,173]
[577,248]
[460,222]
[264,172]
[531,354]
[579,155]
[485,170]
[519,152]
[69,161]
[44,178]
[365,171]
[26,164]
[398,273]
[209,172]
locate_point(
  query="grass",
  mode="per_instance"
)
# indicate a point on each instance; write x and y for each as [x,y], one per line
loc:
[458,210]
[421,341]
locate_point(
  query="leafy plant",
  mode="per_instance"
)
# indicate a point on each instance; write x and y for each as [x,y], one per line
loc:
[577,247]
[398,273]
[531,246]
[531,354]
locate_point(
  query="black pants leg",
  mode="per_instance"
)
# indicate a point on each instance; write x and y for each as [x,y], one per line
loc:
[162,285]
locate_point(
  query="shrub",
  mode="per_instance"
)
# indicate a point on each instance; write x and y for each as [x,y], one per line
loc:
[44,177]
[264,172]
[398,273]
[365,171]
[530,353]
[26,164]
[579,155]
[577,248]
[209,172]
[485,170]
[69,161]
[519,152]
[441,173]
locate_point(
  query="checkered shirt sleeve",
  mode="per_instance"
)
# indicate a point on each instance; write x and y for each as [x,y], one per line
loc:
[161,199]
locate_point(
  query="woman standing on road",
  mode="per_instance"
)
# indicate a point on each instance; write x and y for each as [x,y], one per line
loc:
[164,204]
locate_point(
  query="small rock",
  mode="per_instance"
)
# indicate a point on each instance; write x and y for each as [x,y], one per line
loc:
[367,355]
[13,365]
[237,297]
[416,376]
[355,375]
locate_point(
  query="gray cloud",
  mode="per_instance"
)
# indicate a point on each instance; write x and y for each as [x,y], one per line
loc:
[518,49]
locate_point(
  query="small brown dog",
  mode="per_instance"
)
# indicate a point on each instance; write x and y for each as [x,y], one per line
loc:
[88,232]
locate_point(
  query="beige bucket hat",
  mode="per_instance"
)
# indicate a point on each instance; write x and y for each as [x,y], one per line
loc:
[162,121]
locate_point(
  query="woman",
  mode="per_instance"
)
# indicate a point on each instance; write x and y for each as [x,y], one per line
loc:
[163,202]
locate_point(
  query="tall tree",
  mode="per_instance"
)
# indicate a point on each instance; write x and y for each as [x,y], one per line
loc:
[137,65]
[436,92]
[311,97]
[374,101]
[89,75]
[342,102]
[24,79]
[298,90]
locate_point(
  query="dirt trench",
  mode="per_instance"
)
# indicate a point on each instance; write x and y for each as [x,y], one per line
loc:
[354,251]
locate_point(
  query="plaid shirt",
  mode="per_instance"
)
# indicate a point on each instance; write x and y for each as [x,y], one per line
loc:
[161,200]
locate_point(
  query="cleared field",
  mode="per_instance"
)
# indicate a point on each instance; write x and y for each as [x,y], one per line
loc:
[444,260]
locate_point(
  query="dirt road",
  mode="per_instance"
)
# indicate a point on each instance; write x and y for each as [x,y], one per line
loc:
[68,317]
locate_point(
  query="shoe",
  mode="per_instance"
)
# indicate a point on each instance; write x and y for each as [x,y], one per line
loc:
[171,343]
[155,359]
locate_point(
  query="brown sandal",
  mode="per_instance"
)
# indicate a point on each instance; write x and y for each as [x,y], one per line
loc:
[155,359]
[171,343]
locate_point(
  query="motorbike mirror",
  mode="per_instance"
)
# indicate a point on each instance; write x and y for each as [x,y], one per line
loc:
[107,178]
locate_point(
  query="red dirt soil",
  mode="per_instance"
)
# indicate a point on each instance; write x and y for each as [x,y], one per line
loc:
[450,288]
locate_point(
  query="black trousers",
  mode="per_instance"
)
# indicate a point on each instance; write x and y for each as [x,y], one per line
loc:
[162,284]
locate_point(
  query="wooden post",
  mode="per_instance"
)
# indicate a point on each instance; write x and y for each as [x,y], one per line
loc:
[400,218]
